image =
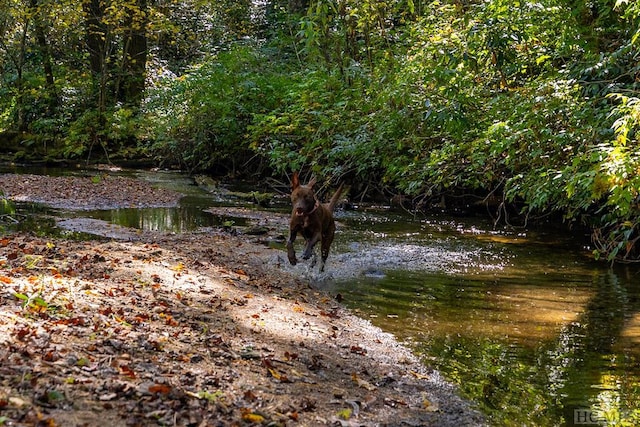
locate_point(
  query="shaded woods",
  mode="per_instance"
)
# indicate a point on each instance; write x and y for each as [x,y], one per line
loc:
[524,109]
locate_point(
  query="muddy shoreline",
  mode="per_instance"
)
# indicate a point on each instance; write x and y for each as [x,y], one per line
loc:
[202,328]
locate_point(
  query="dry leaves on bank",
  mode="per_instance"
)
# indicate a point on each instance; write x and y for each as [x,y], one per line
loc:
[101,191]
[185,330]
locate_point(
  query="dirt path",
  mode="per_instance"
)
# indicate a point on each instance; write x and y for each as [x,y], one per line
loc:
[197,329]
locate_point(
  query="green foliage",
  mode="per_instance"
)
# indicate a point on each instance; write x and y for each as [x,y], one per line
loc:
[95,134]
[88,97]
[7,211]
[501,97]
[531,103]
[313,128]
[617,183]
[199,120]
[34,302]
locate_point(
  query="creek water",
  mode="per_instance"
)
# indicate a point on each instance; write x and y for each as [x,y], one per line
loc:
[524,321]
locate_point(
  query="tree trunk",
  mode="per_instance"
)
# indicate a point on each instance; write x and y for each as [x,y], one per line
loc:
[45,51]
[134,59]
[298,6]
[97,42]
[95,33]
[21,123]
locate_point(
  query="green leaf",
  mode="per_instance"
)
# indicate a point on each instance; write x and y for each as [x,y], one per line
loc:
[542,58]
[21,296]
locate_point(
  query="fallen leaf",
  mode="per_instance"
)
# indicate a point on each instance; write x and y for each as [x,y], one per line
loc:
[345,414]
[125,370]
[160,389]
[362,383]
[178,267]
[250,416]
[355,406]
[419,375]
[275,374]
[250,396]
[330,314]
[170,321]
[211,397]
[22,333]
[47,422]
[358,350]
[253,418]
[106,397]
[83,361]
[17,402]
[429,406]
[278,376]
[394,402]
[290,356]
[50,356]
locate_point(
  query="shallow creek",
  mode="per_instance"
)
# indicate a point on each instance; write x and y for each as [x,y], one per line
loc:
[529,327]
[524,321]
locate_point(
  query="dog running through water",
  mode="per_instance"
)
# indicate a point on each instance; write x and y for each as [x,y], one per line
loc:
[312,219]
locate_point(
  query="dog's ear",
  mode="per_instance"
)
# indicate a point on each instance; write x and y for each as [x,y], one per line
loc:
[312,182]
[295,181]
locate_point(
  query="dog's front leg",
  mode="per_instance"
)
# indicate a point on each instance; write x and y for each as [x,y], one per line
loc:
[308,251]
[291,253]
[324,251]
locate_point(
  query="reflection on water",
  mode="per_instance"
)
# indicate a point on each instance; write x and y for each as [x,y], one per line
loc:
[178,220]
[190,215]
[545,334]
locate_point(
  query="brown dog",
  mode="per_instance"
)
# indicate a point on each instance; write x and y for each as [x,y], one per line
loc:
[314,220]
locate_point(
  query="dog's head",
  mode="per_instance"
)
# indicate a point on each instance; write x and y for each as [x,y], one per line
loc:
[303,197]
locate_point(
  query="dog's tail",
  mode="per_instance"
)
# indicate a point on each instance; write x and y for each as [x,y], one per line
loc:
[336,196]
